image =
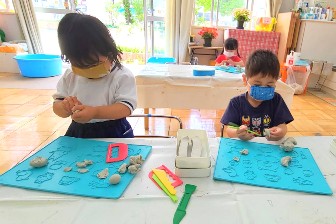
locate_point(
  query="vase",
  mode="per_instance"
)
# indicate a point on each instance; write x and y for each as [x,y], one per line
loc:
[240,24]
[207,42]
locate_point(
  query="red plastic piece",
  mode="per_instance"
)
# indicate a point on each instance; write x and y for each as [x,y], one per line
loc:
[177,181]
[122,152]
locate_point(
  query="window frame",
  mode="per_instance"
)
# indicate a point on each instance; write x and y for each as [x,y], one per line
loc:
[249,4]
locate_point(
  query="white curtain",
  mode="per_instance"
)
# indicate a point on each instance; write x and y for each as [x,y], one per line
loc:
[273,7]
[178,21]
[27,18]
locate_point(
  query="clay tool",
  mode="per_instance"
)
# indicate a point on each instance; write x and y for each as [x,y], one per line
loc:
[157,180]
[235,126]
[122,152]
[177,181]
[181,208]
[164,180]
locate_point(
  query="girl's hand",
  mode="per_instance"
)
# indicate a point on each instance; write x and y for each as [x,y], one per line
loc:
[223,62]
[276,133]
[83,114]
[243,134]
[230,62]
[69,102]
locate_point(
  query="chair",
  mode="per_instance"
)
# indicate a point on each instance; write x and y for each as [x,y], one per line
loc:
[146,116]
[161,60]
[222,131]
[158,60]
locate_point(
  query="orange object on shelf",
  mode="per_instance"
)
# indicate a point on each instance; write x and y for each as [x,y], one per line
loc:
[11,49]
[212,62]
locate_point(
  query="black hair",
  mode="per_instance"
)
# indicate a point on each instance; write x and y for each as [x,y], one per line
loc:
[83,38]
[231,44]
[262,62]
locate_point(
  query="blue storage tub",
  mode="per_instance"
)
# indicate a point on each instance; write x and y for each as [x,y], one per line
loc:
[39,65]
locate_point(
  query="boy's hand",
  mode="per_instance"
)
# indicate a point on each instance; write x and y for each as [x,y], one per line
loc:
[276,133]
[82,113]
[69,102]
[243,134]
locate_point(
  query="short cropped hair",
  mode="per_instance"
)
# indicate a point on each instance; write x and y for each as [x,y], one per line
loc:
[262,62]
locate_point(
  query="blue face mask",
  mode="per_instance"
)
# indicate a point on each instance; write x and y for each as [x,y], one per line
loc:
[262,92]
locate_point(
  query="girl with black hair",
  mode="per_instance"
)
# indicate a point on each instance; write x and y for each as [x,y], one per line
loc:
[98,92]
[230,55]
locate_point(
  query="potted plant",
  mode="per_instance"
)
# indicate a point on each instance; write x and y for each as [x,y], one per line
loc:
[208,33]
[241,15]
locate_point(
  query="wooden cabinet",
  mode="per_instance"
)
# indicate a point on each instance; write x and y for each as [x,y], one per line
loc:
[288,25]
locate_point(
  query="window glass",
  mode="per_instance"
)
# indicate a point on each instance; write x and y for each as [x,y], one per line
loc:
[216,12]
[259,8]
[6,6]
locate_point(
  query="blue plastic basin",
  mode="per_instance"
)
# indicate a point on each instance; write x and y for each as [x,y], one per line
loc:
[39,65]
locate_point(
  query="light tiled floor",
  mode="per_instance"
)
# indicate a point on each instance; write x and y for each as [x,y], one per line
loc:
[27,122]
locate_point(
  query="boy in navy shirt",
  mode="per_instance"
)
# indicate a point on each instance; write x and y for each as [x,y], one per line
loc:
[260,107]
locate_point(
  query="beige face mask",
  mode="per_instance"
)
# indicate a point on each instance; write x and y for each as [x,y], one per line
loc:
[94,72]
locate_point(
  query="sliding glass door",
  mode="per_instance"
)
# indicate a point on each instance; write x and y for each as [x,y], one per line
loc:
[155,11]
[48,14]
[137,26]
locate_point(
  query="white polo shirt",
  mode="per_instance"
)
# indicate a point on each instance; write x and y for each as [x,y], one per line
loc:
[116,87]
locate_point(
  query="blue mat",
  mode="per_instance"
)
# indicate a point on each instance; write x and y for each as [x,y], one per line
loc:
[67,151]
[262,167]
[230,69]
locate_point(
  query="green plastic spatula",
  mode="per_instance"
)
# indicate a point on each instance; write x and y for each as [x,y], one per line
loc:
[181,209]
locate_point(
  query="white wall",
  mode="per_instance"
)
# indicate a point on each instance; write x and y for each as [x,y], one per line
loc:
[9,23]
[316,40]
[287,5]
[329,85]
[325,3]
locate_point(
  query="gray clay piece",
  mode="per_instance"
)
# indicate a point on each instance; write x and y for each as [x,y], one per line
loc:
[38,162]
[115,179]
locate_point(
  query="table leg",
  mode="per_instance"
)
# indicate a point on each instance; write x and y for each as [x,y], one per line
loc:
[146,122]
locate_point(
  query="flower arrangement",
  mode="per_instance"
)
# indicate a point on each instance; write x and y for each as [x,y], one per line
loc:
[208,32]
[241,14]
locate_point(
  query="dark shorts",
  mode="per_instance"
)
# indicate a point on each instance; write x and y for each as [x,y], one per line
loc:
[106,129]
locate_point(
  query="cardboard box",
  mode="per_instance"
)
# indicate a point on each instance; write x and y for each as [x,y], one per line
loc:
[8,63]
[191,165]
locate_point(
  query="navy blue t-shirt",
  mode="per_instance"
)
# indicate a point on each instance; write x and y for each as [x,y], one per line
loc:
[268,114]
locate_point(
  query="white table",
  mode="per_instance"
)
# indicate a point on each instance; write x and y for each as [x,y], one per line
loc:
[213,202]
[174,86]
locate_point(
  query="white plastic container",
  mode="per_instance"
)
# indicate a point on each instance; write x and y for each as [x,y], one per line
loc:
[191,165]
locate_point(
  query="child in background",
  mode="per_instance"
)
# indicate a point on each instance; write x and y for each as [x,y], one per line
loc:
[230,55]
[98,92]
[260,107]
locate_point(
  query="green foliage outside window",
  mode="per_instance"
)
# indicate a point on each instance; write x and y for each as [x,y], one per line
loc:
[226,8]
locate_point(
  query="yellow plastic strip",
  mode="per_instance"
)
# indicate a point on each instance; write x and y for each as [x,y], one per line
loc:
[172,197]
[161,174]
